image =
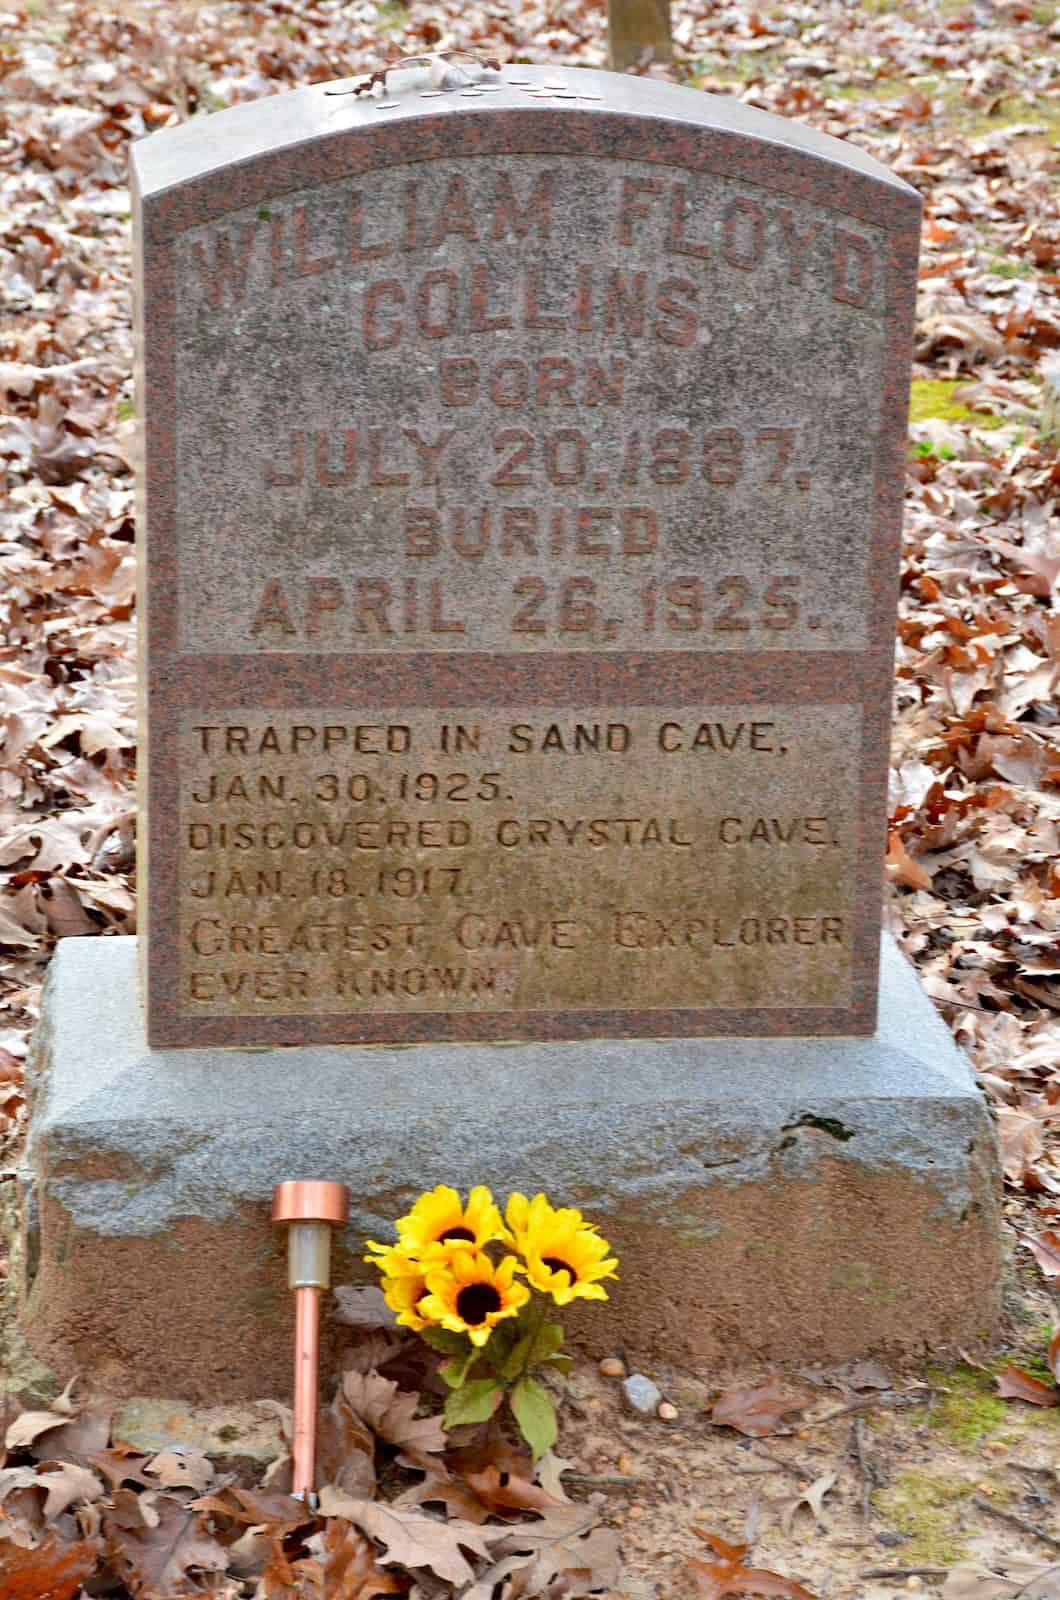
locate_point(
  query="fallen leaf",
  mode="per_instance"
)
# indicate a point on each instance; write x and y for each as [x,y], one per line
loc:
[351,1571]
[1046,1248]
[727,1575]
[1015,1384]
[504,1491]
[411,1538]
[757,1411]
[390,1413]
[362,1307]
[566,1548]
[156,1542]
[811,1498]
[53,1570]
[181,1469]
[65,1485]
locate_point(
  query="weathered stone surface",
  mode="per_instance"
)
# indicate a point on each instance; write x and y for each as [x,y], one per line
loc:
[641,1394]
[769,1199]
[522,474]
[248,1433]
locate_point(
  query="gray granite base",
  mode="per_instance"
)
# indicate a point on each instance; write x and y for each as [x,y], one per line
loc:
[771,1200]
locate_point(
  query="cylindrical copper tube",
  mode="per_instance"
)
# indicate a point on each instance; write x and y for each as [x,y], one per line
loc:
[306,1386]
[311,1210]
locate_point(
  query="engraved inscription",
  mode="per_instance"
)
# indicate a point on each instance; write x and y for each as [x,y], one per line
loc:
[499,407]
[492,860]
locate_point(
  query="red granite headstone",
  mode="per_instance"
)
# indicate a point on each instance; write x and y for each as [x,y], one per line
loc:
[521,492]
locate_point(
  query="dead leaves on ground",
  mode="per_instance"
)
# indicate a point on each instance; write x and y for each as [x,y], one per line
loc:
[758,1411]
[168,1525]
[727,1575]
[1015,1384]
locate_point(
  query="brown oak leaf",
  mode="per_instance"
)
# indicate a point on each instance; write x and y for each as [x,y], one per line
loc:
[758,1411]
[410,1538]
[1046,1248]
[1015,1384]
[727,1575]
[156,1542]
[53,1570]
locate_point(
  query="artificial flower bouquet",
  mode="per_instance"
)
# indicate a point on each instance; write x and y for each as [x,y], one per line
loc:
[477,1286]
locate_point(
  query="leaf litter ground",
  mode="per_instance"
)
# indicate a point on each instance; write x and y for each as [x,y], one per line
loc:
[963,100]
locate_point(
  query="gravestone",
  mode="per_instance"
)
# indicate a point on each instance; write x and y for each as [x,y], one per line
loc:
[520,509]
[521,548]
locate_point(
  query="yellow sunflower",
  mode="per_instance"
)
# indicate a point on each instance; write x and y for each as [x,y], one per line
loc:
[471,1294]
[565,1255]
[404,1284]
[439,1224]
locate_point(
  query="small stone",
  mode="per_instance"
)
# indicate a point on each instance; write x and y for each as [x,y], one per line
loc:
[914,1582]
[624,1464]
[642,1395]
[612,1367]
[635,1512]
[998,1447]
[985,1488]
[667,1411]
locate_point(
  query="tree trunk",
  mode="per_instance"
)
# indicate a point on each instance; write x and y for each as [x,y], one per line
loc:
[636,26]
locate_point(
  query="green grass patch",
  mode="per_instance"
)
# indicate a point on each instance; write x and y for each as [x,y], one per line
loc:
[1006,267]
[391,16]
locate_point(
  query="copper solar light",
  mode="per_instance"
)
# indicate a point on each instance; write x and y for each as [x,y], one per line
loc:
[309,1210]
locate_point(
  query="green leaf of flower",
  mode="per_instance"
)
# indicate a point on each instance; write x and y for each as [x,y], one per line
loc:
[534,1347]
[475,1402]
[562,1364]
[455,1371]
[452,1344]
[500,1345]
[517,1360]
[535,1414]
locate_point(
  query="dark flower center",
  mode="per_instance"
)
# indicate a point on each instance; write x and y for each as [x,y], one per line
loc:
[554,1264]
[475,1303]
[458,1233]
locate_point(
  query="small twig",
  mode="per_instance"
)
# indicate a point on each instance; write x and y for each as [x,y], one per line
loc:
[753,1472]
[1013,1517]
[599,1477]
[866,1403]
[794,1468]
[1039,1577]
[858,1441]
[904,1572]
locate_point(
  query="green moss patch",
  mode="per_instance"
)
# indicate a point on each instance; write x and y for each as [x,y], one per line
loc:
[969,1409]
[933,397]
[925,1507]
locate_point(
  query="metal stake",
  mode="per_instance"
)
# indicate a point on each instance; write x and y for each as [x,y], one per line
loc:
[310,1209]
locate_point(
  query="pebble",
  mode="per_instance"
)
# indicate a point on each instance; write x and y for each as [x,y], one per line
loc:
[635,1512]
[612,1367]
[914,1582]
[624,1464]
[667,1411]
[997,1447]
[642,1395]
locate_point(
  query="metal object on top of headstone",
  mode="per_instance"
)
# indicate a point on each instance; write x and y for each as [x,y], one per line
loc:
[521,492]
[638,31]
